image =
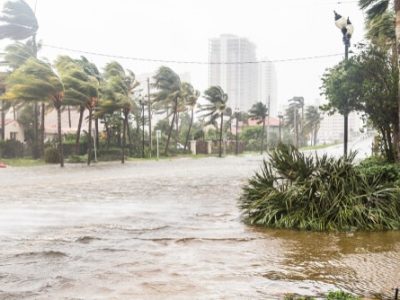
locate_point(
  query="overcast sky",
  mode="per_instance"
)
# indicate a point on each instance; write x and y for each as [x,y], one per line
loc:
[180,29]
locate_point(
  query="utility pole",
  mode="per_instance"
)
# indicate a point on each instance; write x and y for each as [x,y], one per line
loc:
[269,112]
[149,106]
[142,128]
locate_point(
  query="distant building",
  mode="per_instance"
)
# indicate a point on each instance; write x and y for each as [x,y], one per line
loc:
[239,80]
[267,86]
[332,127]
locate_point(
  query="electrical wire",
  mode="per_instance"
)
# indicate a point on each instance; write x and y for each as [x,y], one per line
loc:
[193,62]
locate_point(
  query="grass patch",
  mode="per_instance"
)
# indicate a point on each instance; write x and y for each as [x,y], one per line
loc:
[22,162]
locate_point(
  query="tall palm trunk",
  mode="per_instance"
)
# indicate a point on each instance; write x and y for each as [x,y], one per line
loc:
[124,137]
[89,153]
[96,130]
[42,129]
[60,143]
[35,130]
[262,137]
[220,135]
[3,121]
[69,117]
[188,133]
[78,131]
[171,127]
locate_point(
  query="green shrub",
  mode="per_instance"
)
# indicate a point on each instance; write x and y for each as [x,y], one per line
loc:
[75,159]
[11,149]
[51,155]
[110,154]
[340,295]
[377,167]
[296,191]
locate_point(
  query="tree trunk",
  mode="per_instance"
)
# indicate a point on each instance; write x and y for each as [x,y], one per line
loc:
[188,133]
[107,132]
[3,121]
[171,127]
[69,117]
[35,153]
[96,130]
[397,12]
[128,132]
[124,137]
[220,135]
[42,129]
[262,137]
[89,150]
[78,132]
[60,143]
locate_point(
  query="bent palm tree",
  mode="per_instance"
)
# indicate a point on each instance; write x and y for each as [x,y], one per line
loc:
[169,87]
[117,95]
[215,109]
[313,121]
[36,80]
[80,89]
[190,95]
[259,112]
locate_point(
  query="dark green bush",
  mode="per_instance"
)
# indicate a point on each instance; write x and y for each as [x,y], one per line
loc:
[11,149]
[109,154]
[293,190]
[377,167]
[51,155]
[75,159]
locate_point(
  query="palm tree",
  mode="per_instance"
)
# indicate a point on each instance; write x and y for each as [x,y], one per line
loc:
[377,13]
[118,95]
[313,122]
[35,80]
[18,22]
[259,112]
[3,106]
[291,120]
[169,87]
[80,89]
[190,96]
[298,102]
[215,109]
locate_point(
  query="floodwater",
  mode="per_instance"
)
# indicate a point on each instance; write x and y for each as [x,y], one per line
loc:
[168,230]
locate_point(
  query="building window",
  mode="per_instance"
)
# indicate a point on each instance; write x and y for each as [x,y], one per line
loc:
[13,135]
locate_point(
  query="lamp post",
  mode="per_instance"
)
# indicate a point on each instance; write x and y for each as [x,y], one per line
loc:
[237,113]
[347,30]
[280,116]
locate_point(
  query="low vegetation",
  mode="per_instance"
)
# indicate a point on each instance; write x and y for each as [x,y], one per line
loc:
[293,190]
[333,295]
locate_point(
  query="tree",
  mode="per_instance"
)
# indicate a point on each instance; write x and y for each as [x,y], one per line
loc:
[3,107]
[18,22]
[80,89]
[118,96]
[369,81]
[259,112]
[215,109]
[313,122]
[169,87]
[190,96]
[377,11]
[291,120]
[35,80]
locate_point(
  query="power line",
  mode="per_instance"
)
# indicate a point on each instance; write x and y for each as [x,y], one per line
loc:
[193,62]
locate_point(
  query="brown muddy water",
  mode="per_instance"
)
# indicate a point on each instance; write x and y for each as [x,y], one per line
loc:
[168,230]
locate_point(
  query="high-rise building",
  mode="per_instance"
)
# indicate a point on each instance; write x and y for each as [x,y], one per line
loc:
[267,86]
[228,57]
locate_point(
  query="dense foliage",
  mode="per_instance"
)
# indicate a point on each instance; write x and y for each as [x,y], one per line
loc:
[296,191]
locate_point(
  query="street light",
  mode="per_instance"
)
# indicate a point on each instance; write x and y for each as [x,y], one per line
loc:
[237,113]
[347,30]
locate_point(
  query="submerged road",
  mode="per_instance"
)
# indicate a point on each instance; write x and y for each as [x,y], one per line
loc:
[168,230]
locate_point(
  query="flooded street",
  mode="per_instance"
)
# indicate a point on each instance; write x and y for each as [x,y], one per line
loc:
[168,230]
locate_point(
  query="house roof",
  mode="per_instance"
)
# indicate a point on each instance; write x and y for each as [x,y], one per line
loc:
[271,121]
